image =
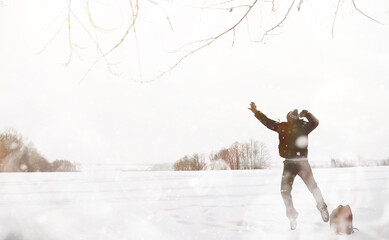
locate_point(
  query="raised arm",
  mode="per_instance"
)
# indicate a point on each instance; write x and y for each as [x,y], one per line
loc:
[269,123]
[313,122]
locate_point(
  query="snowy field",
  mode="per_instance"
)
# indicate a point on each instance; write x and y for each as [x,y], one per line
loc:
[186,205]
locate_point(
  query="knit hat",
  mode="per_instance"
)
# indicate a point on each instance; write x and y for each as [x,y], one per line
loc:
[292,115]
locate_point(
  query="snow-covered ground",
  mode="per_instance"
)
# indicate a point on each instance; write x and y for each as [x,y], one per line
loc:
[186,205]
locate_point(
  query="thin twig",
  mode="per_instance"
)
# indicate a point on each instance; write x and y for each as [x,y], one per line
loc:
[223,8]
[191,44]
[51,39]
[69,34]
[233,38]
[97,44]
[137,43]
[364,14]
[87,7]
[299,5]
[278,25]
[132,24]
[164,11]
[55,19]
[216,6]
[336,14]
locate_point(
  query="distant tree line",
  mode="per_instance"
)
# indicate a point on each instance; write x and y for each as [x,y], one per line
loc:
[239,156]
[17,156]
[337,163]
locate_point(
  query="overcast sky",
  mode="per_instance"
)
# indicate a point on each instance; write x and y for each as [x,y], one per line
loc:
[200,106]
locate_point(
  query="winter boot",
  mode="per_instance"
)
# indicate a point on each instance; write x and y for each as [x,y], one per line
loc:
[293,223]
[323,211]
[293,219]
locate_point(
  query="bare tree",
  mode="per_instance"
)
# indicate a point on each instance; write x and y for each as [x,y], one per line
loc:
[17,156]
[261,156]
[225,155]
[255,155]
[239,10]
[182,164]
[10,141]
[235,156]
[246,155]
[195,162]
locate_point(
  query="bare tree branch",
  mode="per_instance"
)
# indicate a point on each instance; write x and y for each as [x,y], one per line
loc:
[69,33]
[135,10]
[224,6]
[278,25]
[137,43]
[87,7]
[164,11]
[234,37]
[230,9]
[207,41]
[90,28]
[356,8]
[336,14]
[97,44]
[364,14]
[299,5]
[51,39]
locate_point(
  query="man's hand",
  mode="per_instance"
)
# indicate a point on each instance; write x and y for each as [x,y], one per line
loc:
[303,113]
[253,108]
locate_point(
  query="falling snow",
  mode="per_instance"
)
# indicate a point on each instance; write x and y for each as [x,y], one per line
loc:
[302,142]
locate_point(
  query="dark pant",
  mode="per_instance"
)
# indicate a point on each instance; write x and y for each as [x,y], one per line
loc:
[303,169]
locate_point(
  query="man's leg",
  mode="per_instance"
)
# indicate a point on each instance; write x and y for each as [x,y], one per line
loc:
[306,174]
[288,176]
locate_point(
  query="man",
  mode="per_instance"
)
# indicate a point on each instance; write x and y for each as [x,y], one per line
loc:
[293,146]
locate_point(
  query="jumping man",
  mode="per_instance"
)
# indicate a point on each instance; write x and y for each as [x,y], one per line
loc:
[293,146]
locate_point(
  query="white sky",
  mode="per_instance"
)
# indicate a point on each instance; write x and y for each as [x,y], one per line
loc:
[201,106]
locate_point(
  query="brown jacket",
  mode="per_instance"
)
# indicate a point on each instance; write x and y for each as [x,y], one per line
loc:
[293,136]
